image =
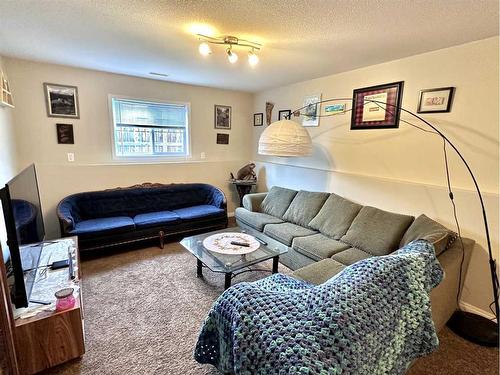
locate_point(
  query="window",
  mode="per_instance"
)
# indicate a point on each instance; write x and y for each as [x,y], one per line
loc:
[144,128]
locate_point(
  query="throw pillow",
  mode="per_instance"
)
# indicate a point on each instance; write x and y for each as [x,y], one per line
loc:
[427,229]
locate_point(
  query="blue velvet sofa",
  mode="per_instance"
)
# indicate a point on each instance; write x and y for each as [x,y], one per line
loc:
[141,212]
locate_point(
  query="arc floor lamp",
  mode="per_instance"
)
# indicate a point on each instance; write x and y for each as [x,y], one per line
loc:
[288,138]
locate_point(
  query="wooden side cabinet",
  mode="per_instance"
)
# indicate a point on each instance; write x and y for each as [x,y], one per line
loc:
[50,338]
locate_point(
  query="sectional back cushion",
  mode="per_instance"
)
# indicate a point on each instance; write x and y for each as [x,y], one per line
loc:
[305,207]
[377,232]
[430,230]
[277,201]
[335,217]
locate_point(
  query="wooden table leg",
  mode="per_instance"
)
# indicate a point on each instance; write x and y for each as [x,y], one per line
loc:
[199,268]
[275,264]
[161,234]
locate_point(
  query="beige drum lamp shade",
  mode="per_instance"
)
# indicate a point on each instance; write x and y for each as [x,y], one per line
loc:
[285,138]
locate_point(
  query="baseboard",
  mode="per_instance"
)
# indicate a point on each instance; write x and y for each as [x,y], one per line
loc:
[473,309]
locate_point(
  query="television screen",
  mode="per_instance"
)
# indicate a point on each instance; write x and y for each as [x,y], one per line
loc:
[21,232]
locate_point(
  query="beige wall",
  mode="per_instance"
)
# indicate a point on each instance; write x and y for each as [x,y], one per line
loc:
[402,169]
[7,141]
[94,167]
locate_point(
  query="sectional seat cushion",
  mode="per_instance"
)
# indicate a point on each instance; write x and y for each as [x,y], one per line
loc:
[156,218]
[377,232]
[106,225]
[430,230]
[277,201]
[350,256]
[335,216]
[318,246]
[304,207]
[319,272]
[256,220]
[286,232]
[203,211]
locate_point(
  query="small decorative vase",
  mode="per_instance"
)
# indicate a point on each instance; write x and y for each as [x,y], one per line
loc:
[65,299]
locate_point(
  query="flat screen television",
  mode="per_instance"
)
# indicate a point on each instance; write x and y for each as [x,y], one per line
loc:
[21,233]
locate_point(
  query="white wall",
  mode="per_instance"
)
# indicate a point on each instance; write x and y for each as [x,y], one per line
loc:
[7,141]
[94,167]
[402,169]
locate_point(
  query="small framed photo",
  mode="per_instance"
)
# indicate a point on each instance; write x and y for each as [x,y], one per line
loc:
[222,139]
[335,109]
[435,100]
[222,117]
[377,107]
[312,110]
[65,134]
[61,100]
[258,119]
[284,114]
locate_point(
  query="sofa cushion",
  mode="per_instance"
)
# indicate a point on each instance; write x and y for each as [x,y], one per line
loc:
[335,216]
[376,231]
[430,230]
[318,246]
[319,272]
[277,201]
[156,218]
[350,256]
[286,232]
[107,225]
[256,220]
[304,207]
[199,212]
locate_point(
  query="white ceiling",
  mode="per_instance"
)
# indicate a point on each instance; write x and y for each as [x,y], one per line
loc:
[302,39]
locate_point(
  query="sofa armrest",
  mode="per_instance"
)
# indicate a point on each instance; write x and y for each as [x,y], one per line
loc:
[67,215]
[218,198]
[253,202]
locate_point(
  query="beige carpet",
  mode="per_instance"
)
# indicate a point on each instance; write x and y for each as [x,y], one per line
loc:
[143,309]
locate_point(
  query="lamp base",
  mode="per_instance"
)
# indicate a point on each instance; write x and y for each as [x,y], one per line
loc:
[474,328]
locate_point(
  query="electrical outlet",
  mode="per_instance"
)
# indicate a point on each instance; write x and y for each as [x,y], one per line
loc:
[71,156]
[203,155]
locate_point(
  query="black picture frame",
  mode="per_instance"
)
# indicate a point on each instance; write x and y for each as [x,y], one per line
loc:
[258,119]
[222,117]
[65,134]
[284,114]
[222,139]
[361,111]
[61,100]
[447,107]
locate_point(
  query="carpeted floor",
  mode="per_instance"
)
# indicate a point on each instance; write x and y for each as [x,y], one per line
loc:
[143,309]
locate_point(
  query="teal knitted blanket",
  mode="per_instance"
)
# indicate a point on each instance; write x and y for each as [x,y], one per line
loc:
[372,318]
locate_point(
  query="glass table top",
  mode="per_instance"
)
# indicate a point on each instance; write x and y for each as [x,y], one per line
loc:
[227,263]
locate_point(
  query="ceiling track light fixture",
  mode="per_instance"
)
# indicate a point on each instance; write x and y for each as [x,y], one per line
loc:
[230,42]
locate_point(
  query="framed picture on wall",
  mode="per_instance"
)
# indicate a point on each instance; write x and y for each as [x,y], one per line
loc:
[312,110]
[65,134]
[377,107]
[61,100]
[258,119]
[222,117]
[435,100]
[222,139]
[284,114]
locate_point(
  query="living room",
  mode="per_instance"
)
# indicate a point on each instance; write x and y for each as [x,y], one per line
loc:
[245,126]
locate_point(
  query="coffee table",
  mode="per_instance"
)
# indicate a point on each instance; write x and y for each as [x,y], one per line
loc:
[229,265]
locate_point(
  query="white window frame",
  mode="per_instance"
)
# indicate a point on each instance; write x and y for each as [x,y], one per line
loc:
[149,158]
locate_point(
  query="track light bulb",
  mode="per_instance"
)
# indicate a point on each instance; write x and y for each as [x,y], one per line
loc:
[231,56]
[204,49]
[253,59]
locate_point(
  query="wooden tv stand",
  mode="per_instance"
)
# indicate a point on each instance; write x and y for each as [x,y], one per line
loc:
[50,338]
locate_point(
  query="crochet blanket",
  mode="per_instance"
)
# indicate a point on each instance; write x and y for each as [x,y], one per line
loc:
[374,317]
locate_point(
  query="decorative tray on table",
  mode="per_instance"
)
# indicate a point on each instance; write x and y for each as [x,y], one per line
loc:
[221,243]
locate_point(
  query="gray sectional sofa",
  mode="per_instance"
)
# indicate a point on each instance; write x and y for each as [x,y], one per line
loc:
[324,233]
